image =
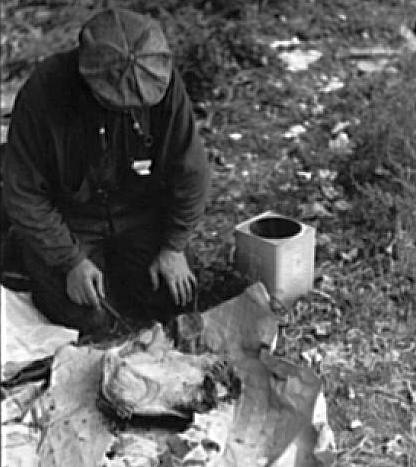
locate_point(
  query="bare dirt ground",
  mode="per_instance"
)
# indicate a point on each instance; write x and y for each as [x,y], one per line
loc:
[332,144]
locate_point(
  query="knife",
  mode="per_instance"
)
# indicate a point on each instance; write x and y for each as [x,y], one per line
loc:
[115,314]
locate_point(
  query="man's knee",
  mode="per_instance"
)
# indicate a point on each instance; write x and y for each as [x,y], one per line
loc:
[64,312]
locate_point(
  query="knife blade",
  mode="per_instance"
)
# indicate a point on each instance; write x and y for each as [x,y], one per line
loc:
[115,314]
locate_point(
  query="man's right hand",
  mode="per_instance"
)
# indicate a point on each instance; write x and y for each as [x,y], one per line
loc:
[85,284]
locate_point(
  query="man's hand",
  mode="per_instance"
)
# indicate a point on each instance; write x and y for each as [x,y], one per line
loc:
[173,267]
[85,284]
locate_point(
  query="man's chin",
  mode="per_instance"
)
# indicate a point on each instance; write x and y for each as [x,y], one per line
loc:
[107,104]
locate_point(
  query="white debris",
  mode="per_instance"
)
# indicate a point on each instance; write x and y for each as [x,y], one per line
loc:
[351,393]
[333,85]
[356,424]
[326,174]
[312,356]
[262,461]
[372,66]
[330,192]
[350,255]
[341,144]
[342,205]
[395,447]
[340,126]
[369,52]
[276,83]
[318,109]
[249,156]
[299,60]
[322,328]
[3,133]
[411,391]
[280,44]
[294,131]
[325,447]
[314,210]
[235,136]
[305,175]
[409,36]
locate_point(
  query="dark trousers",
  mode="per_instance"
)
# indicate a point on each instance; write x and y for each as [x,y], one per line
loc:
[124,260]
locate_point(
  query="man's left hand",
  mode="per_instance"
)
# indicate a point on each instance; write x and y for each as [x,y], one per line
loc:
[173,267]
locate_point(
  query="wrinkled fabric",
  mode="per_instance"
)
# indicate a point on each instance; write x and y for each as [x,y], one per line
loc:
[58,158]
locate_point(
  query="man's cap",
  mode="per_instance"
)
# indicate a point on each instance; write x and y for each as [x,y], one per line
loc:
[125,58]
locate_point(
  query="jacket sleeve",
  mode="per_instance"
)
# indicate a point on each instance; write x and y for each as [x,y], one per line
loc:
[27,190]
[186,168]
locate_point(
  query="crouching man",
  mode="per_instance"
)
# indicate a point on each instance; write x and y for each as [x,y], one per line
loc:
[105,176]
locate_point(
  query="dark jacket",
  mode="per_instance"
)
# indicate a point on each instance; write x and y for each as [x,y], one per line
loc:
[63,173]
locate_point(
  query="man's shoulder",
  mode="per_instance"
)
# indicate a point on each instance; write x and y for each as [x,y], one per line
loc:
[53,80]
[62,65]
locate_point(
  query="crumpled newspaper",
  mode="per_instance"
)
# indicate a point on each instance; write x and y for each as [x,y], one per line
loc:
[280,420]
[26,335]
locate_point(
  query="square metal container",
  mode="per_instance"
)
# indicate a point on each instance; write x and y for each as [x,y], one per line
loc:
[278,251]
